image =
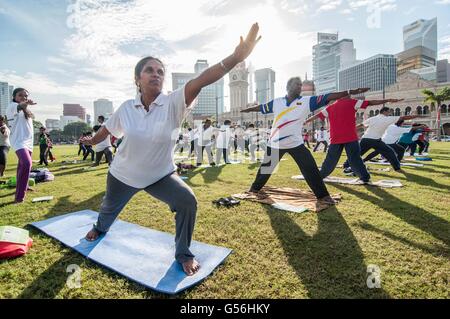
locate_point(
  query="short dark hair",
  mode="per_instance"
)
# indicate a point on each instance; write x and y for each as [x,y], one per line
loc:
[101,117]
[384,109]
[227,122]
[295,78]
[251,125]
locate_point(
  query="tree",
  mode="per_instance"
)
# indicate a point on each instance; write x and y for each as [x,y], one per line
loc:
[57,136]
[437,99]
[74,130]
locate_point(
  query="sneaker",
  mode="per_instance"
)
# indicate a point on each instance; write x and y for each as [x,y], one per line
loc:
[348,170]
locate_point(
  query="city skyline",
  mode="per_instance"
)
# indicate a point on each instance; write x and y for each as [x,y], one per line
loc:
[92,48]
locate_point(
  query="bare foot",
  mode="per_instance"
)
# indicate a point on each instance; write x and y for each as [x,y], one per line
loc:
[190,267]
[92,235]
[328,200]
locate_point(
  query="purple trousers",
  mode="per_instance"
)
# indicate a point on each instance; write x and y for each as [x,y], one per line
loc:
[23,173]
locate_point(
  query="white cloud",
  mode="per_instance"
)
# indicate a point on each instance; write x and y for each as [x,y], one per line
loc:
[443,2]
[384,5]
[327,5]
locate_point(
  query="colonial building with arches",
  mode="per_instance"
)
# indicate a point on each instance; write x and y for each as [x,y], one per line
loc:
[409,87]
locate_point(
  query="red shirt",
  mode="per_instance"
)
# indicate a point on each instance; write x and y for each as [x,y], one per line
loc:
[342,118]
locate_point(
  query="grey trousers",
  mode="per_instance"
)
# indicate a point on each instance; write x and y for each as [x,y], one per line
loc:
[108,154]
[200,150]
[171,190]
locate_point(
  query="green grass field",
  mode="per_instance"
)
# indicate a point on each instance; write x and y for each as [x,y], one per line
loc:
[404,231]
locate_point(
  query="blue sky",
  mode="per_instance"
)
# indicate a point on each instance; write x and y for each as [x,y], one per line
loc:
[79,51]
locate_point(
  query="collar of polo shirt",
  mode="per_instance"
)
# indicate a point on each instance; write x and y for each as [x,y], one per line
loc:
[286,99]
[159,101]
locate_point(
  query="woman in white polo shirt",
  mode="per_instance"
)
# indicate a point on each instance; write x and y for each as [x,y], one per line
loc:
[144,160]
[20,120]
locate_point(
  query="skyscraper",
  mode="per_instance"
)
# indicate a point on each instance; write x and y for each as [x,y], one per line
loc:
[421,33]
[375,73]
[206,100]
[419,46]
[74,110]
[102,107]
[265,85]
[330,55]
[4,97]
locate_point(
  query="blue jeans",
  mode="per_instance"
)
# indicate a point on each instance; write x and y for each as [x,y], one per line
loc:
[354,158]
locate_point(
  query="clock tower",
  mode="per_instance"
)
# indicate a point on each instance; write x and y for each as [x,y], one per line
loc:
[238,90]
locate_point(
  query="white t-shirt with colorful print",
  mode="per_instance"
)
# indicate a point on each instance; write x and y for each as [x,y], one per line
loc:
[288,121]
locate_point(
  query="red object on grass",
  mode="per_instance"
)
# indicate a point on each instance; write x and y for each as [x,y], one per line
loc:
[10,250]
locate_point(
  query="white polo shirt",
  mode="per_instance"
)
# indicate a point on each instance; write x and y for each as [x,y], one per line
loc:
[145,155]
[288,121]
[223,137]
[4,137]
[204,136]
[393,133]
[377,125]
[103,144]
[21,128]
[321,136]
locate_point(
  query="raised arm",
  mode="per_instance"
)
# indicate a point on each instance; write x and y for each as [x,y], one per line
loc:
[312,118]
[217,71]
[339,95]
[99,137]
[254,108]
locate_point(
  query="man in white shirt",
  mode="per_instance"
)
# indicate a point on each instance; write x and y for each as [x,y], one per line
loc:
[204,142]
[290,112]
[391,137]
[321,139]
[223,142]
[376,126]
[102,148]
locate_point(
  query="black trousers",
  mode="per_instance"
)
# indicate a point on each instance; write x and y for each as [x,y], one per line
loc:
[318,143]
[305,162]
[306,142]
[89,150]
[388,153]
[43,154]
[398,149]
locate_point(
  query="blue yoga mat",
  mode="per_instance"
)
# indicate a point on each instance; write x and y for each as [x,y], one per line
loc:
[141,254]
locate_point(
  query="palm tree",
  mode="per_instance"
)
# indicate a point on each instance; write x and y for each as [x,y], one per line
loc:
[437,99]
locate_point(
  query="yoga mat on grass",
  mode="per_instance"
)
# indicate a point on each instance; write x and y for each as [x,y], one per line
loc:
[386,183]
[288,199]
[141,254]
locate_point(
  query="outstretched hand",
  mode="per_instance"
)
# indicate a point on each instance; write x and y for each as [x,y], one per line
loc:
[246,46]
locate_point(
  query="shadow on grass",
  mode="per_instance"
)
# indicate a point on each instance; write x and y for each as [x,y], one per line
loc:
[330,264]
[435,251]
[435,226]
[64,205]
[50,282]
